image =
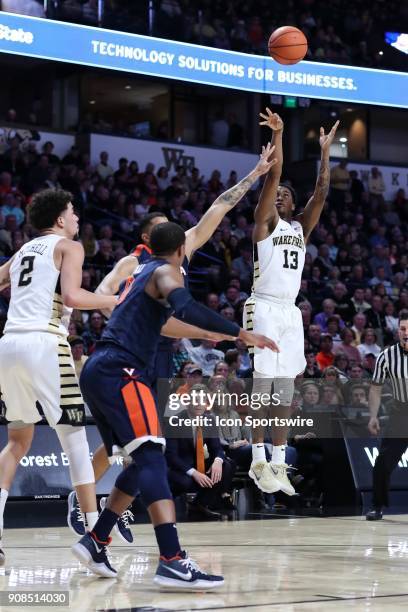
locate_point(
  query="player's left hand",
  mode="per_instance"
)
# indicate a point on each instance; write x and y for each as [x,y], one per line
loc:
[215,472]
[217,337]
[326,140]
[265,163]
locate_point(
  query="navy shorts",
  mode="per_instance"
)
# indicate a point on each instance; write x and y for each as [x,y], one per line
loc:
[121,401]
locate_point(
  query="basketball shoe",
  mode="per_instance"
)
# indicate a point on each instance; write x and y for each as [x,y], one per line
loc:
[75,517]
[122,526]
[280,474]
[183,574]
[93,553]
[264,477]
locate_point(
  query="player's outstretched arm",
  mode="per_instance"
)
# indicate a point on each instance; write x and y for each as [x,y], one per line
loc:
[5,274]
[202,232]
[311,215]
[169,285]
[266,214]
[174,328]
[122,270]
[72,258]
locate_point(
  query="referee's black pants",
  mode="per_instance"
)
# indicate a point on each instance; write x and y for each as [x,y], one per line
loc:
[393,445]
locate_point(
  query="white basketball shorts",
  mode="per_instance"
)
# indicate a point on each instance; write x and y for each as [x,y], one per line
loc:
[282,322]
[38,368]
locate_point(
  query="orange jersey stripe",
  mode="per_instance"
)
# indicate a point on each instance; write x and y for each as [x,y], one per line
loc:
[149,406]
[135,411]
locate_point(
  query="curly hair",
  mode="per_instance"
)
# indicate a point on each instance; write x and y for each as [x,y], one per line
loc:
[46,206]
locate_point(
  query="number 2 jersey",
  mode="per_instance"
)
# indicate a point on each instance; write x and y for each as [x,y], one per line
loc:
[36,302]
[279,262]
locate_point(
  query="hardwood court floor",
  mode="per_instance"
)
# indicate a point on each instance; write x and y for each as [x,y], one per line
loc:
[288,565]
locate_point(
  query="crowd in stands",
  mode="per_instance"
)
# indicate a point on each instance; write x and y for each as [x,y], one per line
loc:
[338,32]
[354,282]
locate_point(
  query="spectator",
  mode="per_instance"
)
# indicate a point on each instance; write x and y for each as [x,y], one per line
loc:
[346,347]
[356,188]
[339,183]
[376,188]
[310,396]
[188,467]
[243,264]
[321,319]
[221,369]
[77,348]
[95,330]
[206,356]
[311,370]
[12,206]
[359,323]
[369,343]
[325,356]
[103,169]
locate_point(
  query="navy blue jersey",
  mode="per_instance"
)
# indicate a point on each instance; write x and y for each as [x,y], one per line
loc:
[136,321]
[164,358]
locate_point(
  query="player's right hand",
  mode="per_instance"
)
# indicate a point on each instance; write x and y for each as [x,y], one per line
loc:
[374,426]
[202,479]
[271,120]
[258,340]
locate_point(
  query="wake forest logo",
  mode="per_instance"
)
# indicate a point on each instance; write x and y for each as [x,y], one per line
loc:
[176,157]
[288,239]
[75,415]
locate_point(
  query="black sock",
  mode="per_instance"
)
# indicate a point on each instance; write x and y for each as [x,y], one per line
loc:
[104,525]
[167,540]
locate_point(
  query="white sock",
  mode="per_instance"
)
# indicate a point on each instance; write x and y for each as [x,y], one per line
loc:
[258,452]
[91,518]
[3,499]
[278,454]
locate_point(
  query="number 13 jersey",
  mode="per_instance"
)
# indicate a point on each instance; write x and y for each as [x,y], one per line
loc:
[36,301]
[279,262]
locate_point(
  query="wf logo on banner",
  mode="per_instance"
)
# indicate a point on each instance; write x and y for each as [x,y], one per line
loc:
[176,157]
[372,455]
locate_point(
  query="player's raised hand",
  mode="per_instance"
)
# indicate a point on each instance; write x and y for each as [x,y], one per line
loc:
[326,140]
[258,340]
[266,161]
[271,120]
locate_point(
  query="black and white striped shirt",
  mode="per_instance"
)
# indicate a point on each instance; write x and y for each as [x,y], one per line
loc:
[392,364]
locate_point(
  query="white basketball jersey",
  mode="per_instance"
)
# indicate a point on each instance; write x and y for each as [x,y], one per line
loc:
[36,302]
[279,262]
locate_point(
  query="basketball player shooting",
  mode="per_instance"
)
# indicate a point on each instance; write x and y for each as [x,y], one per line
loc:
[279,239]
[196,237]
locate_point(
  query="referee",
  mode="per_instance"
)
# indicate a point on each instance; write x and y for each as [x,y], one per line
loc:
[391,364]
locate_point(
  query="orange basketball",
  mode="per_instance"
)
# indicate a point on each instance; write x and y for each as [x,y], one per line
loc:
[287,45]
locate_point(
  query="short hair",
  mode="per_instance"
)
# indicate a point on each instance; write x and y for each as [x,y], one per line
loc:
[147,220]
[46,206]
[403,316]
[166,238]
[231,356]
[292,191]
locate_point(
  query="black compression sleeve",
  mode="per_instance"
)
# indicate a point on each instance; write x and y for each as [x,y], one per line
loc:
[190,311]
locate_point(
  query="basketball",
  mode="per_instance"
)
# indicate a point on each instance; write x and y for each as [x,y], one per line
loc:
[287,45]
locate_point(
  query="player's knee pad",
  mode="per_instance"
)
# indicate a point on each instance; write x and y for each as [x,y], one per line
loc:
[128,480]
[152,473]
[75,445]
[284,388]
